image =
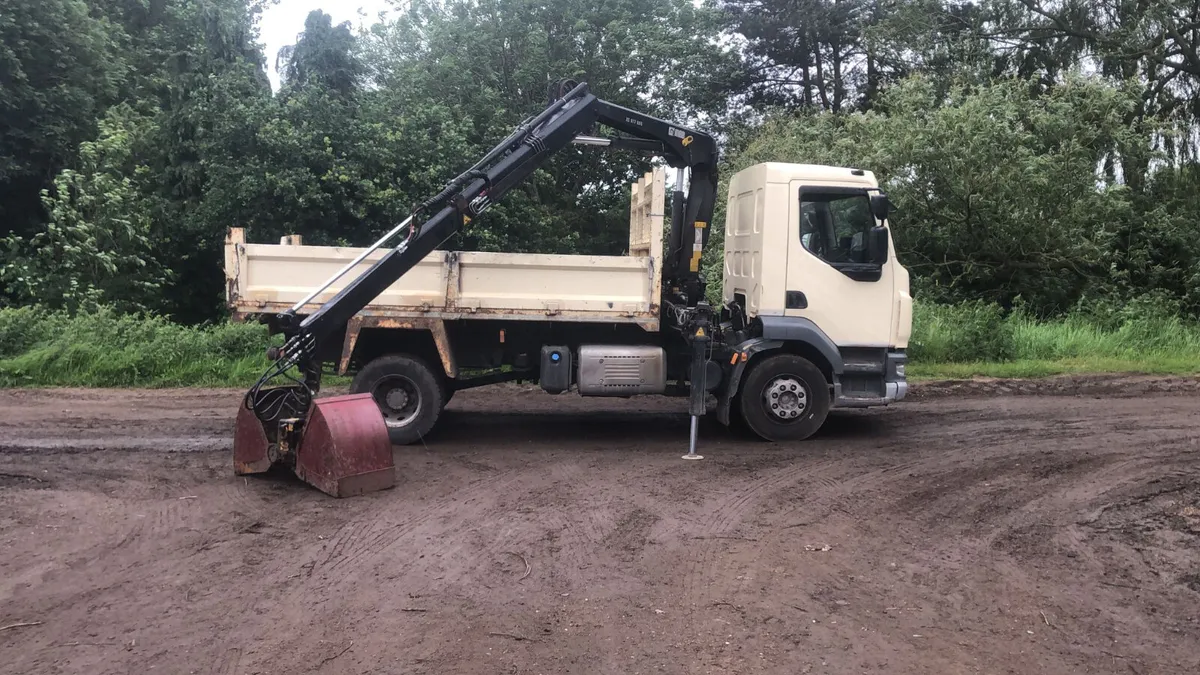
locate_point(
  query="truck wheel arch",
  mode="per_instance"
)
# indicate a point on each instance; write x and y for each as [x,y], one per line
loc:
[807,339]
[790,335]
[369,337]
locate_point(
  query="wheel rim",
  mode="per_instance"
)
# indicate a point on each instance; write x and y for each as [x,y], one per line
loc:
[399,400]
[785,398]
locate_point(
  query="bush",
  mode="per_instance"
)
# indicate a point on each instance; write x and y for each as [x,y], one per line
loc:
[106,349]
[1144,334]
[971,331]
[23,327]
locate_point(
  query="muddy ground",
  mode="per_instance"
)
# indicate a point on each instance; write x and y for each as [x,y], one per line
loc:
[982,528]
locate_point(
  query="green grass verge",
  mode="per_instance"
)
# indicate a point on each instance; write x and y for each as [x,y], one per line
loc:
[1028,368]
[978,340]
[106,349]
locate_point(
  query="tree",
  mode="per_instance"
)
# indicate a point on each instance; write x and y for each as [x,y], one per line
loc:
[1150,45]
[96,248]
[210,69]
[323,56]
[489,65]
[996,187]
[325,158]
[58,70]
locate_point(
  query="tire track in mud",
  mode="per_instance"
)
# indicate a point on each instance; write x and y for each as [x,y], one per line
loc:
[359,542]
[971,573]
[155,520]
[242,497]
[726,513]
[712,573]
[584,533]
[573,484]
[707,565]
[482,552]
[230,662]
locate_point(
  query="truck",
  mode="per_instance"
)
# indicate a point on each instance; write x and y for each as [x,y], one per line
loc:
[814,310]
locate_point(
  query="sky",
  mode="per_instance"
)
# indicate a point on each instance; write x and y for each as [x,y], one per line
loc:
[284,20]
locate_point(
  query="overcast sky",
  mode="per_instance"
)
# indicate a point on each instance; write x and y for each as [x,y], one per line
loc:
[282,22]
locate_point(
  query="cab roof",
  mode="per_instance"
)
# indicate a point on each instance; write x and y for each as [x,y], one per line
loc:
[783,172]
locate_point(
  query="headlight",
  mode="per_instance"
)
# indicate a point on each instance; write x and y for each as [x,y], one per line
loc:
[900,370]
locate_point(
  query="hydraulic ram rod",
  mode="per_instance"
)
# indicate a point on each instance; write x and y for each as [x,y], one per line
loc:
[352,264]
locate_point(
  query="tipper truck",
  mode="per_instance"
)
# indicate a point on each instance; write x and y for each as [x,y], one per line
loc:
[815,310]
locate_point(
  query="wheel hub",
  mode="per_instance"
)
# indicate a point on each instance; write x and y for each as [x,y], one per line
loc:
[399,400]
[785,398]
[396,399]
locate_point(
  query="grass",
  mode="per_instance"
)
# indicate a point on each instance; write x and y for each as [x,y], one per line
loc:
[1033,368]
[977,340]
[106,349]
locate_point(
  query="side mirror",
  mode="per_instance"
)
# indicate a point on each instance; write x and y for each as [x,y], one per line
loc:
[877,245]
[880,206]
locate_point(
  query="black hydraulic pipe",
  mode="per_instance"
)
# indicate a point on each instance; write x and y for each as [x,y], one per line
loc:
[677,206]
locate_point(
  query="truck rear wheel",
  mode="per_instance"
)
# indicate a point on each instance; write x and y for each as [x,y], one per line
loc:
[410,395]
[784,398]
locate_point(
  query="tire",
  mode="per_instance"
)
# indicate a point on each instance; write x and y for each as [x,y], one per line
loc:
[409,393]
[784,398]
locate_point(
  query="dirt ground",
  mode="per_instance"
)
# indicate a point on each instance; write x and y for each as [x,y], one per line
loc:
[978,528]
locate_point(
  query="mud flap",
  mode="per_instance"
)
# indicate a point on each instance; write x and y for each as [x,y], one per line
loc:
[345,450]
[741,354]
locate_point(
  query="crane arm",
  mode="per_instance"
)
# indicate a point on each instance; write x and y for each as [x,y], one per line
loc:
[513,161]
[568,119]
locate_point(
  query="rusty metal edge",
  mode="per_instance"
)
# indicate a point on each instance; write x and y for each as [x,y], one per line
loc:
[353,328]
[436,328]
[243,309]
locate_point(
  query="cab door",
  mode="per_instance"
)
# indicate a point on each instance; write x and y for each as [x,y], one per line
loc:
[831,279]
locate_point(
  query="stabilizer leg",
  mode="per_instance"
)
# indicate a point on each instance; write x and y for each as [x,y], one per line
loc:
[692,442]
[699,386]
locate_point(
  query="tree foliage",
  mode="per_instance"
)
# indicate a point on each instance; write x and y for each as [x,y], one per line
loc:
[491,64]
[1042,153]
[96,248]
[59,67]
[996,188]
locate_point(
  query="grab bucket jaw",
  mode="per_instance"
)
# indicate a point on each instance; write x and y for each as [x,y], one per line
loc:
[345,450]
[343,447]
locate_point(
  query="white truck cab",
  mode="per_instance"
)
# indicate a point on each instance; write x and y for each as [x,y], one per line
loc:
[810,268]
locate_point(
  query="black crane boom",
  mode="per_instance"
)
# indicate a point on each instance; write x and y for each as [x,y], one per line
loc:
[572,115]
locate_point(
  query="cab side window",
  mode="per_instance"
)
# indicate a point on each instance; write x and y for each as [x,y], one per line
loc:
[834,226]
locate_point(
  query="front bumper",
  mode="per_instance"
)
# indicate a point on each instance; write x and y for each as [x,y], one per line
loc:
[894,373]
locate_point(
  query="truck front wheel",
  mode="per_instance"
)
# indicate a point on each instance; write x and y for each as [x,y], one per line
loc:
[410,395]
[784,398]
